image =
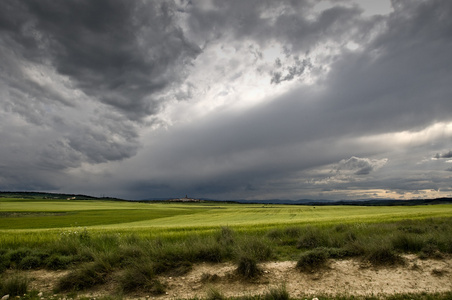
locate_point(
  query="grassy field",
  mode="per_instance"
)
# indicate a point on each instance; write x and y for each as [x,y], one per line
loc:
[117,215]
[140,241]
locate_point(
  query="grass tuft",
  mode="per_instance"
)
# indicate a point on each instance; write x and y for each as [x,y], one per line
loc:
[88,275]
[247,267]
[408,242]
[311,238]
[383,256]
[214,294]
[140,276]
[279,293]
[312,260]
[15,285]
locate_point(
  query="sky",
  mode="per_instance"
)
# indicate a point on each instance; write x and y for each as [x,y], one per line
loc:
[240,99]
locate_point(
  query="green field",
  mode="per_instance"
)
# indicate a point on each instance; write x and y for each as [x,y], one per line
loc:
[116,215]
[95,238]
[21,219]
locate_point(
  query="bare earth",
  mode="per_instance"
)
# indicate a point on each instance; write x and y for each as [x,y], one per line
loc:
[343,277]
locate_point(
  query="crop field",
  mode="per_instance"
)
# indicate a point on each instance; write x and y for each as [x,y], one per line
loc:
[140,241]
[39,214]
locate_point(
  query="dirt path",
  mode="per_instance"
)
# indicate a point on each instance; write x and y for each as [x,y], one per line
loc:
[342,277]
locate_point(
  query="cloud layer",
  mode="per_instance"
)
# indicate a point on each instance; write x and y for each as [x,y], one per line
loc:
[227,99]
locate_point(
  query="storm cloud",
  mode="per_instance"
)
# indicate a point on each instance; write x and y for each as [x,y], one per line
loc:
[227,99]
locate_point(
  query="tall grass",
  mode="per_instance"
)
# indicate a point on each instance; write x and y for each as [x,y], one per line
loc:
[15,285]
[428,238]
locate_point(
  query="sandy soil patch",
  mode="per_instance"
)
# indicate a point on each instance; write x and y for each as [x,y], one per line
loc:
[342,277]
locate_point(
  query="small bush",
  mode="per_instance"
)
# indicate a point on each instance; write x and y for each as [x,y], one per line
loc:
[89,275]
[354,249]
[58,262]
[313,260]
[140,276]
[14,286]
[407,242]
[430,251]
[247,267]
[30,262]
[255,248]
[312,238]
[130,254]
[17,255]
[383,256]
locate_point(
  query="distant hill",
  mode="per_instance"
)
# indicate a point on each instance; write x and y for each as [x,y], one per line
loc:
[39,195]
[364,202]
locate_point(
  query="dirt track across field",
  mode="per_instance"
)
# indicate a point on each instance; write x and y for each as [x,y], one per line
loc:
[343,277]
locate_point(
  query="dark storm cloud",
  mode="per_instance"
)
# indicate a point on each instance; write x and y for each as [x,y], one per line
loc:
[290,22]
[82,81]
[444,155]
[396,82]
[79,77]
[118,52]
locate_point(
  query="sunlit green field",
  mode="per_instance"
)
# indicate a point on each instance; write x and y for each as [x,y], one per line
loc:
[41,214]
[21,219]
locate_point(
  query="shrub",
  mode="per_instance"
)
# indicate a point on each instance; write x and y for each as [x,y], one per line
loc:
[407,242]
[313,260]
[58,262]
[17,255]
[15,285]
[138,276]
[255,248]
[247,267]
[355,248]
[383,256]
[129,254]
[312,238]
[89,275]
[30,262]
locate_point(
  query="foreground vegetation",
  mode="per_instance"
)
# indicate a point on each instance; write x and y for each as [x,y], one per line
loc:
[137,242]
